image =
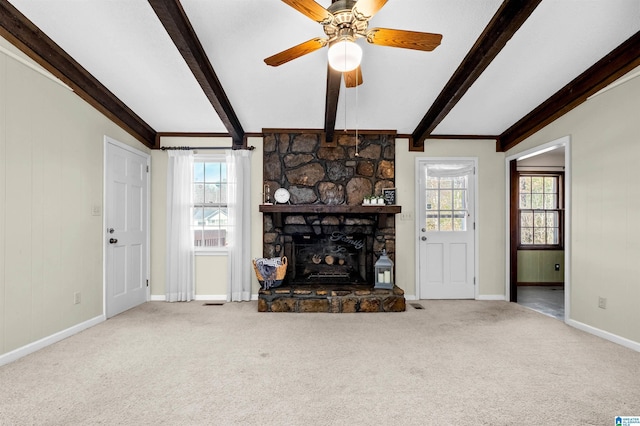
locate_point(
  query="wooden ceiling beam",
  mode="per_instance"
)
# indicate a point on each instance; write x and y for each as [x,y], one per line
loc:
[177,25]
[331,102]
[504,24]
[619,62]
[27,37]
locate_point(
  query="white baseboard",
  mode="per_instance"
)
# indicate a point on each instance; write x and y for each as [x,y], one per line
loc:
[412,297]
[49,340]
[605,335]
[222,297]
[212,297]
[198,297]
[490,297]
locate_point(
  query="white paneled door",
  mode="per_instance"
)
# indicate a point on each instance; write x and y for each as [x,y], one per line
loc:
[446,228]
[126,220]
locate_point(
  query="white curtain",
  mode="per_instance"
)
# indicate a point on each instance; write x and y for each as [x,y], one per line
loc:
[452,170]
[445,169]
[180,257]
[239,231]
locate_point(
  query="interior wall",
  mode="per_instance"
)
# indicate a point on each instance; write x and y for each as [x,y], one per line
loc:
[490,211]
[538,266]
[605,234]
[490,215]
[51,178]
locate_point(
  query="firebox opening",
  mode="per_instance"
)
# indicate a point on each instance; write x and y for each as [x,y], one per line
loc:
[336,258]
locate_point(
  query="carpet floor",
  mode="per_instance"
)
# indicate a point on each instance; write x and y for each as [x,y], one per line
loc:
[453,362]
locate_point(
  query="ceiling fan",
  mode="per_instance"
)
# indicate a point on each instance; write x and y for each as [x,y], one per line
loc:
[343,22]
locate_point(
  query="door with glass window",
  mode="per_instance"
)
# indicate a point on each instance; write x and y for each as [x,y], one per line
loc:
[446,228]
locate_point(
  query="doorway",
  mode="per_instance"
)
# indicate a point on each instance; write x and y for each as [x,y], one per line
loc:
[126,250]
[446,222]
[538,200]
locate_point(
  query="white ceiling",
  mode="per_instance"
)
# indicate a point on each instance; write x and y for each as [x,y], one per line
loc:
[123,44]
[552,158]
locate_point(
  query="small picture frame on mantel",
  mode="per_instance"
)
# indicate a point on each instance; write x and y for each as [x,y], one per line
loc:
[389,195]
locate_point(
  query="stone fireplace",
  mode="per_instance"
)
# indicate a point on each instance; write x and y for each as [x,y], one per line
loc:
[330,240]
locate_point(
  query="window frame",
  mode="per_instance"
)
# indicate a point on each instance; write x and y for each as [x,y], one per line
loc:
[560,209]
[454,212]
[208,250]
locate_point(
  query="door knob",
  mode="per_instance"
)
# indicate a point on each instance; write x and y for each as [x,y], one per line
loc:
[113,240]
[424,229]
[424,238]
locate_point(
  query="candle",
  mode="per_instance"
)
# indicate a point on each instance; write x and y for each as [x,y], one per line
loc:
[387,276]
[380,277]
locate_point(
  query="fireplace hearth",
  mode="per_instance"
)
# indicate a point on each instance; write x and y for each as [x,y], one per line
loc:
[331,259]
[331,298]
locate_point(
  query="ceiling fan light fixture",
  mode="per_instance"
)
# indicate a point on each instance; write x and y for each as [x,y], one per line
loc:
[344,55]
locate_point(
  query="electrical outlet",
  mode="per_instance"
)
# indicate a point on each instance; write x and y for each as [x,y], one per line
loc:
[76,298]
[96,210]
[406,216]
[602,303]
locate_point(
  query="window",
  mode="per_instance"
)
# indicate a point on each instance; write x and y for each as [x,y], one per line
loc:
[540,210]
[210,210]
[447,208]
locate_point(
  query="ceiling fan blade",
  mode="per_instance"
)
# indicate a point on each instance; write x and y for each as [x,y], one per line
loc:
[353,78]
[296,51]
[311,9]
[405,39]
[365,9]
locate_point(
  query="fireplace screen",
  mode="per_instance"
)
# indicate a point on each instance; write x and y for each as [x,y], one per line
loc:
[335,258]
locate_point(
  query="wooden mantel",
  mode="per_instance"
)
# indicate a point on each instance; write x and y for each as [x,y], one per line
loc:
[278,209]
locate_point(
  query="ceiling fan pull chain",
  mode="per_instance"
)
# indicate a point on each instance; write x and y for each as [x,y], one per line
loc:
[357,140]
[344,103]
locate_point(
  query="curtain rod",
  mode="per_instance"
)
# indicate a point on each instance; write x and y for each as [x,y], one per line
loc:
[195,148]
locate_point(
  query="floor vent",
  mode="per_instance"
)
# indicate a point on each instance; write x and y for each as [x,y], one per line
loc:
[417,305]
[213,304]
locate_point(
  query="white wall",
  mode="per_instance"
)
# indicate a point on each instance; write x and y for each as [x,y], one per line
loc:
[211,270]
[490,211]
[51,175]
[605,242]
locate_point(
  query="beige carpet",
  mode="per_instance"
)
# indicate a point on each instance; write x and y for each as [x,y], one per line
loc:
[453,363]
